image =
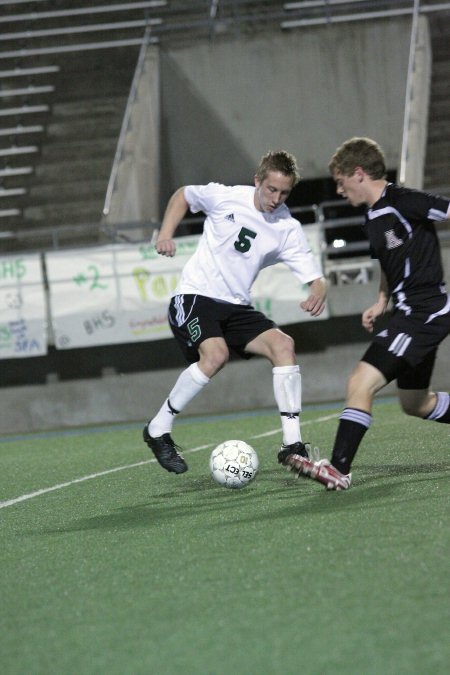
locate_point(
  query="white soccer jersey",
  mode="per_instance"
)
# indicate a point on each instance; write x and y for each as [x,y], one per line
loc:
[238,241]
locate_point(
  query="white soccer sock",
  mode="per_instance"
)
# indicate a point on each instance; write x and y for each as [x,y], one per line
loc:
[441,411]
[190,382]
[287,387]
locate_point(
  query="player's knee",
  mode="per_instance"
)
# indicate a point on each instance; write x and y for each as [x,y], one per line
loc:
[356,383]
[215,359]
[285,347]
[365,380]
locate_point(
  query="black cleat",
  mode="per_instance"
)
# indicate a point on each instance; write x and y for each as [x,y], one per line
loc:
[165,452]
[299,448]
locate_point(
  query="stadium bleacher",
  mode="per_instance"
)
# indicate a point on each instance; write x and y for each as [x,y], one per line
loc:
[65,73]
[65,78]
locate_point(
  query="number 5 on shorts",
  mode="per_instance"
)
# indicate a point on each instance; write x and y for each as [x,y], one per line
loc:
[194,330]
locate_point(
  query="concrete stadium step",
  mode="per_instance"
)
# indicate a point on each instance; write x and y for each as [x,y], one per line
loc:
[439,129]
[437,163]
[438,110]
[87,127]
[67,213]
[111,106]
[76,169]
[80,148]
[20,132]
[79,86]
[438,151]
[73,191]
[15,178]
[30,238]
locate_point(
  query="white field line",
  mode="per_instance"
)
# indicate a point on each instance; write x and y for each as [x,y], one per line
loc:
[319,419]
[82,479]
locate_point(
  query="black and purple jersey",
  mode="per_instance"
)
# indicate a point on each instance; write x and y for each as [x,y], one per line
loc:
[400,228]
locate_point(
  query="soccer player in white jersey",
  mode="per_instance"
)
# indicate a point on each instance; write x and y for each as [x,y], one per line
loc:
[400,228]
[246,229]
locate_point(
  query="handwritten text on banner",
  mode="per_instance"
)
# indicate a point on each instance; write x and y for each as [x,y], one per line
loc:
[22,307]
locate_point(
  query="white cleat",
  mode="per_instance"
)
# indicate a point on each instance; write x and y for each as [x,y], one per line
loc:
[332,478]
[321,471]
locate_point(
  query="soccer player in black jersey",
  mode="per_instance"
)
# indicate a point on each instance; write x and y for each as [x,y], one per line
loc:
[400,228]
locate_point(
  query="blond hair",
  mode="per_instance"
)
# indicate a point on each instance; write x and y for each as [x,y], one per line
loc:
[281,161]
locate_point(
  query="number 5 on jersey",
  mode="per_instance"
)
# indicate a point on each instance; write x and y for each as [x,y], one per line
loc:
[244,240]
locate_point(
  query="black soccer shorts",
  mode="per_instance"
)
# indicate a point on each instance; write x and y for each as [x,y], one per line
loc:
[195,318]
[406,349]
[395,368]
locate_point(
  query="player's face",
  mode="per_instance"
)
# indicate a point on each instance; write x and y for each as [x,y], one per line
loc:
[351,187]
[272,191]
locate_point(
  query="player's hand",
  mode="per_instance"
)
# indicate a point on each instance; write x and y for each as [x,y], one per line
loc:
[371,315]
[314,304]
[166,247]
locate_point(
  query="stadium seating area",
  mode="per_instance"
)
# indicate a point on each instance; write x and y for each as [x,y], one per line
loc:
[436,178]
[65,75]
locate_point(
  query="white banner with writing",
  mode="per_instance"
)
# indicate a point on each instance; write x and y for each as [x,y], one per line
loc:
[113,294]
[120,293]
[23,317]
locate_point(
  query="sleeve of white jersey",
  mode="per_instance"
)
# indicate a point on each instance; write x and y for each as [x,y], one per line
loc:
[298,256]
[202,197]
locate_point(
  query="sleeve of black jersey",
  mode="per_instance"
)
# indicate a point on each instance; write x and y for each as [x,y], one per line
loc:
[419,206]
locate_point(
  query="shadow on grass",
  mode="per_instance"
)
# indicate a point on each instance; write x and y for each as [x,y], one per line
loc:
[221,507]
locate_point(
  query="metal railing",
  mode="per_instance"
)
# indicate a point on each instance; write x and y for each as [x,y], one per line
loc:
[26,72]
[357,14]
[78,30]
[95,234]
[195,19]
[81,11]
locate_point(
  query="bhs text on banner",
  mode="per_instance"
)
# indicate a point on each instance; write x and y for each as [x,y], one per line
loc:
[23,317]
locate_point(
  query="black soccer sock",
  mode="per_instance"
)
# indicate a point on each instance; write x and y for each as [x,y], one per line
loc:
[441,411]
[353,424]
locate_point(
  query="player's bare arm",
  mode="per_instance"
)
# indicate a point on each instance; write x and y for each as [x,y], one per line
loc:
[174,214]
[371,314]
[315,302]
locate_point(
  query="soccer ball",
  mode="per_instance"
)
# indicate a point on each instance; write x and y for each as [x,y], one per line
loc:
[233,464]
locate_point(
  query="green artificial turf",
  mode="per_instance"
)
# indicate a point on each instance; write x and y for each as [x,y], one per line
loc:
[137,571]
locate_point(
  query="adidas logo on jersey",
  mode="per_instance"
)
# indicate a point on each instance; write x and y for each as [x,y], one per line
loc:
[392,241]
[230,216]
